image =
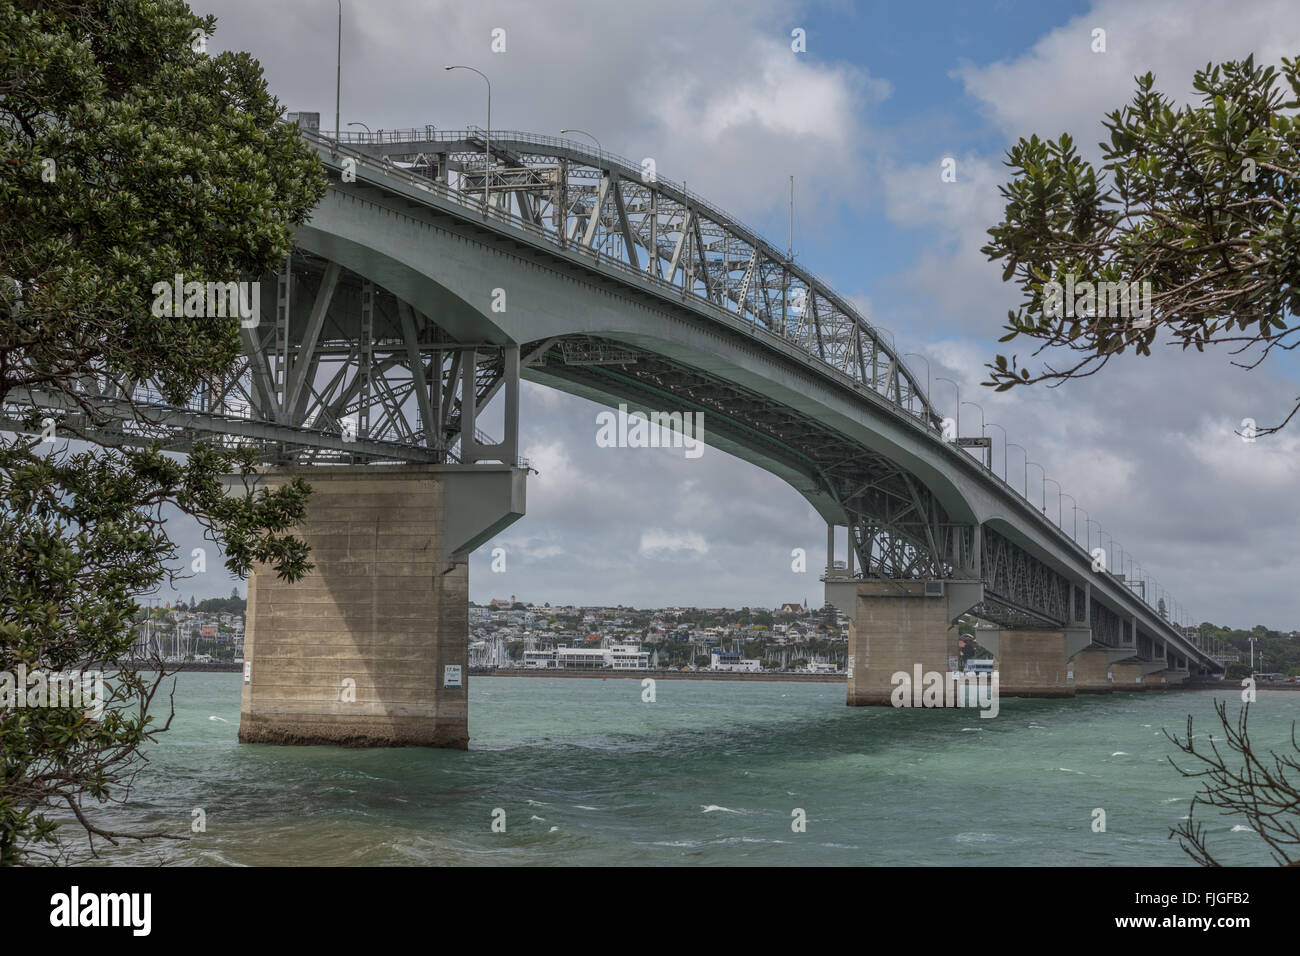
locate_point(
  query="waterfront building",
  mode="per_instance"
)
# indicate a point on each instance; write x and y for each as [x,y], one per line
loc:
[729,661]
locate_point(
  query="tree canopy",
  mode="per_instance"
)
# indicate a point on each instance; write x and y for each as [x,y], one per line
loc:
[128,155]
[1199,201]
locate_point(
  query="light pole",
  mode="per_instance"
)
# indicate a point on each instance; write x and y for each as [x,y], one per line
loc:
[1089,523]
[940,378]
[600,149]
[1059,495]
[1026,454]
[368,132]
[1058,499]
[1044,471]
[981,408]
[338,79]
[927,371]
[487,139]
[1004,447]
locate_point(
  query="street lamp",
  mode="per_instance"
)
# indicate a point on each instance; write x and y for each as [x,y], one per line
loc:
[600,149]
[927,371]
[1044,471]
[1059,496]
[368,132]
[981,408]
[940,378]
[1026,454]
[338,79]
[1088,523]
[1058,499]
[487,139]
[1004,447]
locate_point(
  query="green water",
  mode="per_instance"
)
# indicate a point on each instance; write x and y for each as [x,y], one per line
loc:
[709,774]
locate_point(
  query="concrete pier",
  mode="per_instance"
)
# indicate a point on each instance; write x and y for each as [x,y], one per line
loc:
[1092,671]
[371,648]
[1128,676]
[895,627]
[1033,663]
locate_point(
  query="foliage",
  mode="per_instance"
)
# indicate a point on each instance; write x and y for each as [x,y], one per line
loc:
[129,157]
[1259,791]
[1199,200]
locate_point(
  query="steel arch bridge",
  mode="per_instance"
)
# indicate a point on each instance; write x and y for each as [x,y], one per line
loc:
[429,281]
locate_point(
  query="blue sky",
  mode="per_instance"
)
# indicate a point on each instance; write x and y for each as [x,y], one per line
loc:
[863,119]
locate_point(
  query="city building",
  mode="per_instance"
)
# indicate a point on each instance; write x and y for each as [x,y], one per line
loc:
[728,661]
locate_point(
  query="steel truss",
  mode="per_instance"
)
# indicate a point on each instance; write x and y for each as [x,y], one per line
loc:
[344,373]
[621,211]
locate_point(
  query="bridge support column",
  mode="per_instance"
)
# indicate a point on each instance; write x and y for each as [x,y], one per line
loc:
[1127,675]
[1033,664]
[1092,671]
[371,648]
[893,628]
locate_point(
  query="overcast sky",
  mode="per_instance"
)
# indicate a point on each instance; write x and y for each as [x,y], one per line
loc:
[863,119]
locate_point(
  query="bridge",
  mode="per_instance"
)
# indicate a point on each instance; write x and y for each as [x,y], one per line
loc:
[441,268]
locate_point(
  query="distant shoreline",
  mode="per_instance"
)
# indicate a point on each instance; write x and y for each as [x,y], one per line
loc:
[664,675]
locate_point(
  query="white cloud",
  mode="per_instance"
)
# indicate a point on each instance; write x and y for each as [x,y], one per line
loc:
[655,540]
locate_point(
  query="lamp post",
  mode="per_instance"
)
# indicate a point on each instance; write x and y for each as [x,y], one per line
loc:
[1059,495]
[368,132]
[981,408]
[338,79]
[927,371]
[1058,499]
[1004,447]
[1089,523]
[955,388]
[1026,454]
[487,139]
[1044,471]
[600,149]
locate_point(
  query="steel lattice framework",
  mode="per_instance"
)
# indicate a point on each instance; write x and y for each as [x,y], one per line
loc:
[615,208]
